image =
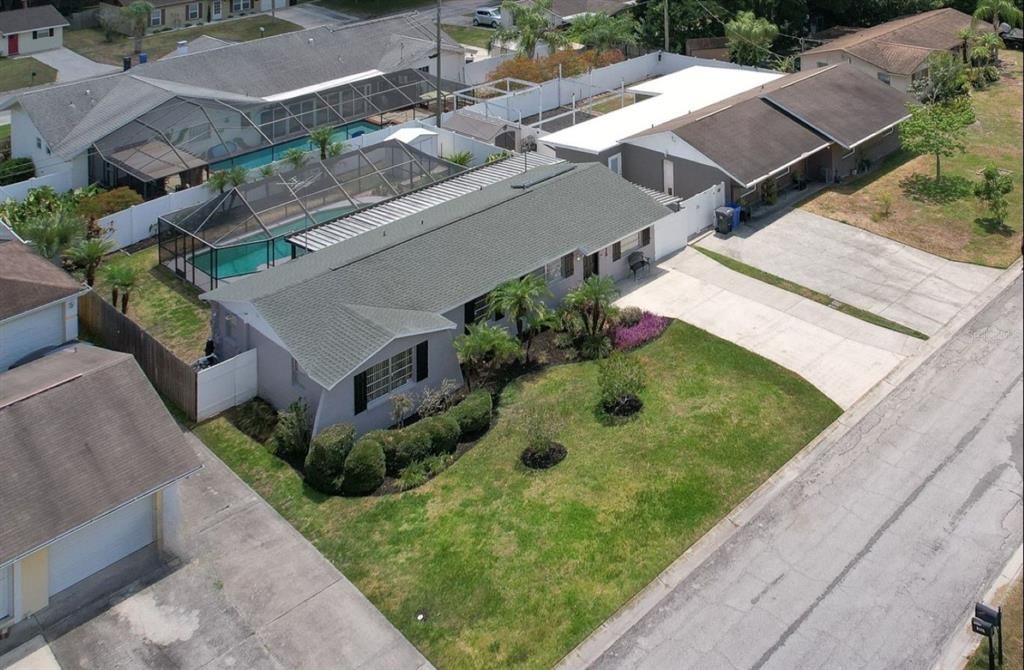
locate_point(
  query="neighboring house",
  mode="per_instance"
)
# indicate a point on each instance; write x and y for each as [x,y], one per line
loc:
[90,461]
[181,13]
[821,125]
[896,52]
[165,124]
[31,30]
[38,304]
[363,318]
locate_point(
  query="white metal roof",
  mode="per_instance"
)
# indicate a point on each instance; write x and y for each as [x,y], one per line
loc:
[410,135]
[386,212]
[677,94]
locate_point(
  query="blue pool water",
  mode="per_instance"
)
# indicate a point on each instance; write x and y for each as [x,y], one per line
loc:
[243,259]
[261,157]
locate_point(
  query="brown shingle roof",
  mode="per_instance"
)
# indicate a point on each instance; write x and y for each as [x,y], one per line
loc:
[81,433]
[32,18]
[901,45]
[28,281]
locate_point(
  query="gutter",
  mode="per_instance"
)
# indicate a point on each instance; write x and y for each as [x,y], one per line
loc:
[783,167]
[40,308]
[875,134]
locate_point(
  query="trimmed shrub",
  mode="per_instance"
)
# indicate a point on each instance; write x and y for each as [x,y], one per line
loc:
[648,327]
[404,446]
[629,316]
[621,379]
[325,462]
[594,347]
[473,414]
[257,418]
[364,468]
[442,431]
[105,203]
[413,475]
[14,170]
[290,439]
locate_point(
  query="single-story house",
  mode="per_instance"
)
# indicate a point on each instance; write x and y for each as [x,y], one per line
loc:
[165,124]
[31,30]
[361,318]
[38,304]
[181,13]
[896,52]
[90,460]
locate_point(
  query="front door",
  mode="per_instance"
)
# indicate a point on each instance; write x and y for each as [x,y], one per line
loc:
[12,45]
[669,176]
[590,266]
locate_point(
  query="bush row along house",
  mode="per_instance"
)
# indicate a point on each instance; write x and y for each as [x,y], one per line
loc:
[366,317]
[822,125]
[91,456]
[166,124]
[896,52]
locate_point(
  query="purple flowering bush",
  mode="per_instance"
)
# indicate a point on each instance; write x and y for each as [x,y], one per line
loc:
[646,329]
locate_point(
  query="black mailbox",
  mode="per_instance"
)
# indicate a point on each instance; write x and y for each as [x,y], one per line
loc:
[981,627]
[988,614]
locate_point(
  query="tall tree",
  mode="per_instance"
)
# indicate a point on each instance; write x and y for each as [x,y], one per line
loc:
[483,348]
[998,11]
[138,14]
[687,19]
[938,129]
[53,232]
[88,255]
[322,137]
[750,39]
[946,79]
[602,32]
[531,25]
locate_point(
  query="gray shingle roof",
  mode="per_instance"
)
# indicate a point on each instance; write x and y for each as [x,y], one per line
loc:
[28,281]
[32,18]
[437,260]
[83,433]
[387,44]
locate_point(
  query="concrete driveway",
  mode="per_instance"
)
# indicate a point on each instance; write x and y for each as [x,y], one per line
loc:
[309,15]
[862,269]
[842,356]
[250,592]
[71,66]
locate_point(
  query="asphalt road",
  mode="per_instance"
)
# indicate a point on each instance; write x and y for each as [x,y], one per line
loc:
[872,556]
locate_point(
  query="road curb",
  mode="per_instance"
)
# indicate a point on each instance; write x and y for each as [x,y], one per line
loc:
[588,651]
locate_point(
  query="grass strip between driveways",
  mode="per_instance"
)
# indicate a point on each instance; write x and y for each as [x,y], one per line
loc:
[472,35]
[513,568]
[810,294]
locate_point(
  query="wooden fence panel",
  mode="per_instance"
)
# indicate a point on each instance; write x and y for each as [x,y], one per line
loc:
[173,378]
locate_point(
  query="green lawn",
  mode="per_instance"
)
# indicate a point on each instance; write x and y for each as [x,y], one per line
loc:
[513,568]
[1013,632]
[810,294]
[472,35]
[371,8]
[16,73]
[955,228]
[90,42]
[163,304]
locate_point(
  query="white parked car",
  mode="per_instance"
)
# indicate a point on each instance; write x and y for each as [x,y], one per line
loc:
[487,16]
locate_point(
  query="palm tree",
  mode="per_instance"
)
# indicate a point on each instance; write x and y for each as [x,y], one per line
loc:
[88,254]
[985,48]
[237,176]
[267,170]
[601,31]
[463,158]
[519,299]
[122,278]
[998,11]
[295,157]
[50,234]
[592,302]
[138,14]
[335,148]
[218,181]
[750,38]
[485,346]
[531,24]
[322,137]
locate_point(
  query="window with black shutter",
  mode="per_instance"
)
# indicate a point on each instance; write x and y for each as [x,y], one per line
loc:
[616,251]
[421,361]
[360,392]
[469,314]
[568,265]
[645,236]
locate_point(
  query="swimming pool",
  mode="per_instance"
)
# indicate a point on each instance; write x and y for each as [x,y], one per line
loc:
[261,157]
[245,258]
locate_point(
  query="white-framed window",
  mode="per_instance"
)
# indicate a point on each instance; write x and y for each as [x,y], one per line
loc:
[241,5]
[39,34]
[615,163]
[884,77]
[388,375]
[216,8]
[156,17]
[192,11]
[553,270]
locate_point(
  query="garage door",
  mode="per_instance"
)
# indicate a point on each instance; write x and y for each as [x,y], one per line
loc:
[94,547]
[6,592]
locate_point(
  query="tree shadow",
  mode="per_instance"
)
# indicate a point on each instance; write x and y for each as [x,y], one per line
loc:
[923,188]
[994,226]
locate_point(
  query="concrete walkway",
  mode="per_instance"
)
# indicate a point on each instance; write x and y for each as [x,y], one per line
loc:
[842,356]
[72,66]
[250,592]
[862,269]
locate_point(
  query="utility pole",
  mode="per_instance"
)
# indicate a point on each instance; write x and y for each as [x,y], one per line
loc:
[666,25]
[439,97]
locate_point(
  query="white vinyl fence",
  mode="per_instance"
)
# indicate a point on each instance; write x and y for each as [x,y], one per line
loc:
[139,221]
[696,214]
[226,384]
[58,181]
[480,71]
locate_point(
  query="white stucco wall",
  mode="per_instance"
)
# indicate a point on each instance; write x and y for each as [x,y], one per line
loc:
[28,142]
[47,326]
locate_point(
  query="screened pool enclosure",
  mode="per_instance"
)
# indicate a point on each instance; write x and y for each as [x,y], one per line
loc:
[193,131]
[243,230]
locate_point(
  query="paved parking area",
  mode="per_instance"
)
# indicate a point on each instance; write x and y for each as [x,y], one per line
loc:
[71,66]
[862,269]
[250,592]
[842,356]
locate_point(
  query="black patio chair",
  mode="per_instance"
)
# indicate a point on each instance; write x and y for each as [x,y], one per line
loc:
[638,263]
